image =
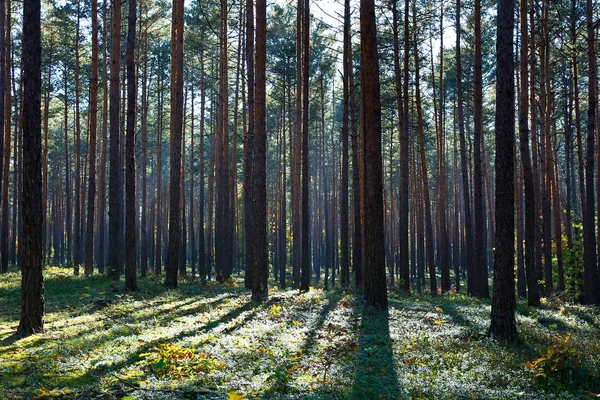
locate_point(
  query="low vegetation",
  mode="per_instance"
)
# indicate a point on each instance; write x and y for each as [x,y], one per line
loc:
[196,342]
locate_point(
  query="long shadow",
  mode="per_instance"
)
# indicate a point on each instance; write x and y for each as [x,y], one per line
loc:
[376,375]
[311,339]
[95,373]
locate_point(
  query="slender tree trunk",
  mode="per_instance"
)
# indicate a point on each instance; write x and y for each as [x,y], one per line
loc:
[403,134]
[77,129]
[259,209]
[481,286]
[102,178]
[296,158]
[201,242]
[591,289]
[464,162]
[144,166]
[306,270]
[4,232]
[223,206]
[3,254]
[423,164]
[249,151]
[172,265]
[115,231]
[89,240]
[130,203]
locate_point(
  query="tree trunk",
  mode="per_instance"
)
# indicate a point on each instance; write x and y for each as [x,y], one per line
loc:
[172,265]
[481,285]
[89,240]
[306,271]
[130,203]
[591,289]
[464,161]
[259,209]
[423,164]
[503,324]
[32,283]
[115,196]
[375,281]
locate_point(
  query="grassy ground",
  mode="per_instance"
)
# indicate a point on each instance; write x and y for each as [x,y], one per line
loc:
[195,342]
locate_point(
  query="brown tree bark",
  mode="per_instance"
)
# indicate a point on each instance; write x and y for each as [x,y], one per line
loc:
[591,284]
[503,324]
[32,283]
[223,198]
[89,240]
[130,203]
[481,286]
[375,280]
[423,164]
[464,162]
[306,270]
[249,140]
[172,264]
[102,176]
[115,193]
[259,209]
[296,158]
[3,254]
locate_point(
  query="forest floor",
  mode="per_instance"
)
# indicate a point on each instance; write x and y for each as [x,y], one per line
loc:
[213,342]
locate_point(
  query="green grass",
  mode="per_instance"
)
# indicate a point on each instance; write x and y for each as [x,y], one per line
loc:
[103,342]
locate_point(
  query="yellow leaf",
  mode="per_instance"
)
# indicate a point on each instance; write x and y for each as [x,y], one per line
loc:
[233,395]
[439,309]
[297,323]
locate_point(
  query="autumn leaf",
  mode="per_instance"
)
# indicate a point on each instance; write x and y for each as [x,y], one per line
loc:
[233,395]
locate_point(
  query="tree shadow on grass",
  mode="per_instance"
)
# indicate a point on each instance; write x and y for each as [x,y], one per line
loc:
[376,375]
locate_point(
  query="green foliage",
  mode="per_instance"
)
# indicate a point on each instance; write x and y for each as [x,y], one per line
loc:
[319,344]
[559,359]
[178,362]
[573,267]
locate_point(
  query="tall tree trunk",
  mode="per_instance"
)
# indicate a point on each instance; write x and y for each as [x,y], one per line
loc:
[442,190]
[481,286]
[306,270]
[130,203]
[3,254]
[159,190]
[296,158]
[102,177]
[4,234]
[32,283]
[89,240]
[78,214]
[172,265]
[403,134]
[423,164]
[503,324]
[464,161]
[375,281]
[259,209]
[591,289]
[223,209]
[533,296]
[249,152]
[201,242]
[144,164]
[347,67]
[115,195]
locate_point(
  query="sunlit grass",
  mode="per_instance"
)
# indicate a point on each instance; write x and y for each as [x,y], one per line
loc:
[316,345]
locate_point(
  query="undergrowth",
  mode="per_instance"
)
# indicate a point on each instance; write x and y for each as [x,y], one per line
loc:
[213,341]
